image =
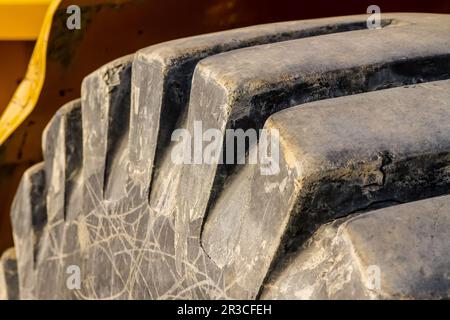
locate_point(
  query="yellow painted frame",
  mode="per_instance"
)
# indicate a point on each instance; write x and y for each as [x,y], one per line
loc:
[27,94]
[21,19]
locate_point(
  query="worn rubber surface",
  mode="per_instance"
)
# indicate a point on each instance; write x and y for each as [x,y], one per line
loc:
[407,245]
[364,122]
[9,281]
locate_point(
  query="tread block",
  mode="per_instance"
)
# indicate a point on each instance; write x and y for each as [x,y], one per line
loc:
[29,218]
[62,149]
[337,157]
[242,88]
[400,252]
[9,282]
[105,99]
[162,77]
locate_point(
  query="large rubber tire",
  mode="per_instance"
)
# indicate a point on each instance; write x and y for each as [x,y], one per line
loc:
[363,118]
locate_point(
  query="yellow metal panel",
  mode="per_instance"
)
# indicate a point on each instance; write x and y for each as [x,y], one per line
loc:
[21,19]
[27,93]
[25,2]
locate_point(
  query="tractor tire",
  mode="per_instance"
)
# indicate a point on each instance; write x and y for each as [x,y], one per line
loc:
[355,206]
